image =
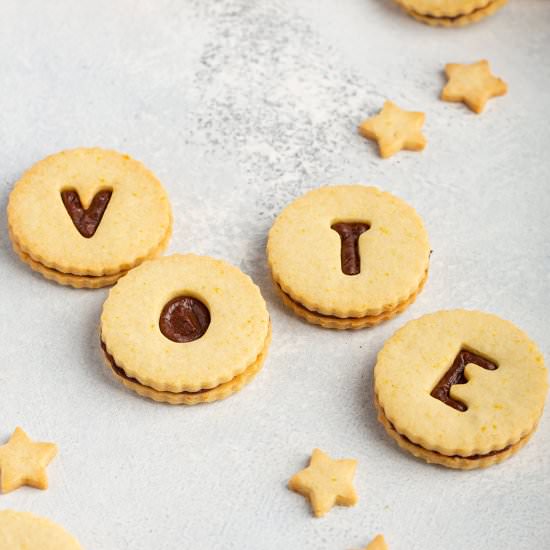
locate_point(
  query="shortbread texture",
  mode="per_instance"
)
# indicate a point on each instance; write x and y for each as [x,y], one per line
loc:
[304,252]
[24,531]
[326,482]
[503,405]
[443,8]
[395,129]
[377,543]
[136,222]
[234,340]
[472,84]
[24,462]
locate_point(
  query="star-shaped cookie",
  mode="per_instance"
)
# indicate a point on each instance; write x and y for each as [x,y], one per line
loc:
[326,482]
[377,543]
[23,462]
[472,84]
[395,129]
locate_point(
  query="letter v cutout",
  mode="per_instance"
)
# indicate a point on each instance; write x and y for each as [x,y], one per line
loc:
[86,220]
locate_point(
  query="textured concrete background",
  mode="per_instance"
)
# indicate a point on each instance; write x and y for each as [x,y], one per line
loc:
[239,106]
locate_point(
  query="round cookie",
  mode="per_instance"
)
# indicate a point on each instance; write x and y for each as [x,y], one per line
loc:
[348,256]
[460,20]
[21,530]
[85,217]
[185,329]
[464,389]
[443,8]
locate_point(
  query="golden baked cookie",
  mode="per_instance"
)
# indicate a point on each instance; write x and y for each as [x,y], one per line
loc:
[459,20]
[24,462]
[472,84]
[84,217]
[24,531]
[326,482]
[348,256]
[185,329]
[377,543]
[395,129]
[443,8]
[464,389]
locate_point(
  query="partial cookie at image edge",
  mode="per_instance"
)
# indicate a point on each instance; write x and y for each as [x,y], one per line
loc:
[29,532]
[50,236]
[460,20]
[445,8]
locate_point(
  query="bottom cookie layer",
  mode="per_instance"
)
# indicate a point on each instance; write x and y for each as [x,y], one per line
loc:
[190,398]
[459,20]
[456,462]
[77,281]
[343,323]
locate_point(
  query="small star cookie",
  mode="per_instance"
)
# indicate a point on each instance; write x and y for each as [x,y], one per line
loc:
[377,543]
[23,462]
[395,129]
[472,84]
[326,482]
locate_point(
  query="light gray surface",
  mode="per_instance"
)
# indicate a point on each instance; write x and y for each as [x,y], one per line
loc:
[239,106]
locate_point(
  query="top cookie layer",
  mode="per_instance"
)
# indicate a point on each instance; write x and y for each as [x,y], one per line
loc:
[502,405]
[304,251]
[21,530]
[443,8]
[236,334]
[135,221]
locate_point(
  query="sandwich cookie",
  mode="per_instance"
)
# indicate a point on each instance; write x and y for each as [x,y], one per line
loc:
[84,217]
[459,20]
[185,329]
[463,389]
[348,256]
[443,8]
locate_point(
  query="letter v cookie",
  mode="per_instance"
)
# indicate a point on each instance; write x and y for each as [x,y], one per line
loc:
[85,217]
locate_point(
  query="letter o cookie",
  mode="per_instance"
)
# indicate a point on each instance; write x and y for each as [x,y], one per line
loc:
[185,329]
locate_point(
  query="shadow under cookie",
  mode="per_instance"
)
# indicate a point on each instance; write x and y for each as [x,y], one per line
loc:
[74,280]
[454,461]
[189,398]
[345,323]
